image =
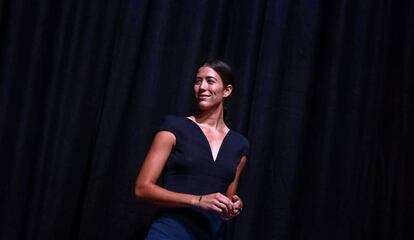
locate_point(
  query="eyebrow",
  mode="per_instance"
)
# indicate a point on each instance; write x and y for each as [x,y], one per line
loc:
[208,77]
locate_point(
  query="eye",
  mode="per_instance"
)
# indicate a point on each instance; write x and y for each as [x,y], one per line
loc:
[211,80]
[197,81]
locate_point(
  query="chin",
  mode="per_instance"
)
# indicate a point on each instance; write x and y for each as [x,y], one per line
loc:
[203,107]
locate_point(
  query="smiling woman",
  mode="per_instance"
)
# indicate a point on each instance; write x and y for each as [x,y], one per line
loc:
[210,88]
[201,160]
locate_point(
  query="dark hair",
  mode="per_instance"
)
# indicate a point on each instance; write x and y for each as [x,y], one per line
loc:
[226,75]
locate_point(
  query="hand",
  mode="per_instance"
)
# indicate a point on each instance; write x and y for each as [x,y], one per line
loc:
[237,208]
[216,202]
[237,204]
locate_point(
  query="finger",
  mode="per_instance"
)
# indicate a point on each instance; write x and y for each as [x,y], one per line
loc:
[216,209]
[221,206]
[235,198]
[224,200]
[229,203]
[237,205]
[237,201]
[229,206]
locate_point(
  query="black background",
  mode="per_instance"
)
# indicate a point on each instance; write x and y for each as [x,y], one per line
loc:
[324,92]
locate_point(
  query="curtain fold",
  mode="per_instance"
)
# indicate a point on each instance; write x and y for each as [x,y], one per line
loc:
[323,92]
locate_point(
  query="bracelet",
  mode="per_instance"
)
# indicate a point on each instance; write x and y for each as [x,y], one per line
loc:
[199,200]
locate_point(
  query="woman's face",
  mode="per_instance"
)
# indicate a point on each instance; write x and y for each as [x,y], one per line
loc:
[209,89]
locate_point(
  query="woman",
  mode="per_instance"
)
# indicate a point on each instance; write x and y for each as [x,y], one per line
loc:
[201,160]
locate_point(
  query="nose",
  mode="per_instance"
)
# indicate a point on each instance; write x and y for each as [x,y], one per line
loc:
[203,84]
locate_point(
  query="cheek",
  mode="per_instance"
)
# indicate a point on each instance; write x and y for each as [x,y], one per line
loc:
[219,91]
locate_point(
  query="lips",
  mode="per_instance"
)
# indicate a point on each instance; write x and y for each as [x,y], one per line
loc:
[203,96]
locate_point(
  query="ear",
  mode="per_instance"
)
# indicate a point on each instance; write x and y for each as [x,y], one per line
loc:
[227,90]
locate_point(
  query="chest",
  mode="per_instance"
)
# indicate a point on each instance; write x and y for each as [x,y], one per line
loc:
[194,154]
[214,139]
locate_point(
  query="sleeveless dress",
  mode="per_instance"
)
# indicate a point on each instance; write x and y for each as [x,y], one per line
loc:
[191,169]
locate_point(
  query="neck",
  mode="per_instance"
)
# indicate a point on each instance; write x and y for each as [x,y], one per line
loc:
[212,117]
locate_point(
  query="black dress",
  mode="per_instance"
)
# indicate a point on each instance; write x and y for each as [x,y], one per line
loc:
[191,169]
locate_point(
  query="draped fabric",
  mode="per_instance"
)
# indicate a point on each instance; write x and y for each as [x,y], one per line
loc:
[323,91]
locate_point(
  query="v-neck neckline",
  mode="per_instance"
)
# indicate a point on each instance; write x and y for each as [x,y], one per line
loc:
[206,139]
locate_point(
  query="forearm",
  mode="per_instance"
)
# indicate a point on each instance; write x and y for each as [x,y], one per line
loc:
[231,190]
[164,198]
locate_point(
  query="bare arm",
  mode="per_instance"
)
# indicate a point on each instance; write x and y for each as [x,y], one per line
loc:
[232,188]
[231,192]
[145,185]
[147,189]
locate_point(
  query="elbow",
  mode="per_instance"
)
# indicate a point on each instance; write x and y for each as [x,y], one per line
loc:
[140,191]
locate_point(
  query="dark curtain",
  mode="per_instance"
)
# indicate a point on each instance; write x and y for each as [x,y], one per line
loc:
[323,92]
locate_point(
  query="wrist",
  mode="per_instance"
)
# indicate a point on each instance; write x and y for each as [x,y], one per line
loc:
[199,198]
[196,200]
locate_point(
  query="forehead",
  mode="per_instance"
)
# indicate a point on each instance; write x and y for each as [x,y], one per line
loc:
[206,71]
